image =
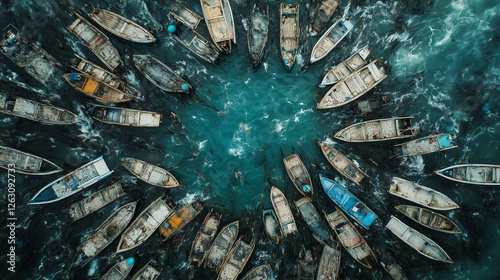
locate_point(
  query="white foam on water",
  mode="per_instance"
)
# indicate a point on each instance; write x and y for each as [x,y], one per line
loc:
[94,265]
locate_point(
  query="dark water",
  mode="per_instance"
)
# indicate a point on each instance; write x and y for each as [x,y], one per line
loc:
[442,59]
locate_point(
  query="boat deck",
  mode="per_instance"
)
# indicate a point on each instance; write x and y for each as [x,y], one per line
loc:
[22,161]
[214,15]
[283,211]
[236,261]
[180,218]
[222,244]
[329,264]
[289,32]
[96,201]
[314,221]
[425,145]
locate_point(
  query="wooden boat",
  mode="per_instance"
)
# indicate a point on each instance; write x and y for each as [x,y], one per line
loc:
[393,269]
[316,224]
[25,163]
[306,268]
[121,26]
[322,15]
[350,204]
[421,195]
[478,174]
[160,74]
[418,241]
[342,164]
[35,111]
[120,270]
[346,67]
[272,226]
[204,238]
[96,89]
[330,39]
[297,172]
[258,30]
[224,241]
[72,182]
[378,130]
[144,225]
[283,211]
[353,86]
[329,264]
[150,271]
[236,260]
[96,41]
[96,201]
[180,218]
[149,173]
[109,230]
[350,239]
[261,272]
[429,218]
[425,145]
[289,33]
[31,57]
[220,22]
[370,104]
[189,18]
[125,116]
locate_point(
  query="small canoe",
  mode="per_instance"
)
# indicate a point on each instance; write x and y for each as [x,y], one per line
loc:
[349,203]
[25,163]
[297,172]
[316,224]
[125,116]
[425,145]
[35,111]
[150,173]
[329,264]
[429,219]
[378,130]
[96,41]
[219,19]
[418,241]
[393,269]
[353,86]
[121,26]
[204,238]
[350,239]
[346,67]
[258,30]
[160,74]
[342,164]
[272,226]
[289,33]
[236,260]
[73,182]
[222,244]
[144,225]
[96,89]
[322,15]
[96,201]
[478,174]
[109,230]
[372,103]
[120,270]
[150,271]
[330,39]
[306,268]
[261,272]
[180,218]
[283,211]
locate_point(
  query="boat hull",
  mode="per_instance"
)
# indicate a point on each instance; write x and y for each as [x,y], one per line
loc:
[477,174]
[25,163]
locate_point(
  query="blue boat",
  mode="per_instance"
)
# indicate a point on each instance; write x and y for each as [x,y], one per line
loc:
[350,204]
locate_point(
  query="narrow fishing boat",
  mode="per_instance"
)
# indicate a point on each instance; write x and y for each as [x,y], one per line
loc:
[353,86]
[96,41]
[204,238]
[330,39]
[261,272]
[346,67]
[96,201]
[109,230]
[372,103]
[429,219]
[425,145]
[73,182]
[258,30]
[322,15]
[144,225]
[350,204]
[25,163]
[329,264]
[120,270]
[306,268]
[160,74]
[150,271]
[236,260]
[342,164]
[96,89]
[189,18]
[272,226]
[297,172]
[421,195]
[478,174]
[418,241]
[180,218]
[283,211]
[121,26]
[289,33]
[219,19]
[378,130]
[150,173]
[316,224]
[393,269]
[350,239]
[125,116]
[222,244]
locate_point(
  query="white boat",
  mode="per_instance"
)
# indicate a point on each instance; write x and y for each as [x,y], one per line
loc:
[283,211]
[342,164]
[346,67]
[425,145]
[289,33]
[125,116]
[96,201]
[378,130]
[329,264]
[219,19]
[150,173]
[150,271]
[222,244]
[120,270]
[322,15]
[204,238]
[478,174]
[236,260]
[25,163]
[330,39]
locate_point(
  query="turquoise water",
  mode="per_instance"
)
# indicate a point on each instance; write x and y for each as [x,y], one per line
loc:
[227,148]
